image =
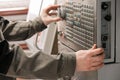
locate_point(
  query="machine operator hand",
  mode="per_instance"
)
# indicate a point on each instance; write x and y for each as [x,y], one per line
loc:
[48,14]
[88,60]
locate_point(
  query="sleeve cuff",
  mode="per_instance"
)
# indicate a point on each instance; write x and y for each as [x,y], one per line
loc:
[68,64]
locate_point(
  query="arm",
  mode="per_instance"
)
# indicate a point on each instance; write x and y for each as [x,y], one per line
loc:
[40,65]
[21,30]
[37,64]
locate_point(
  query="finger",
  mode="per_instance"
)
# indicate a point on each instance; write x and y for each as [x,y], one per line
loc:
[53,13]
[94,46]
[94,64]
[97,51]
[55,19]
[98,58]
[52,7]
[96,67]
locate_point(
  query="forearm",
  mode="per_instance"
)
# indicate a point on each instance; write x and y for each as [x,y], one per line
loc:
[21,30]
[40,65]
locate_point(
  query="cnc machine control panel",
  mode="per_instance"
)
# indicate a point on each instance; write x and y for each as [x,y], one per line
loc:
[88,22]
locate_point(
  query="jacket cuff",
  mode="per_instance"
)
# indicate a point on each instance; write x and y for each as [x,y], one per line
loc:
[68,64]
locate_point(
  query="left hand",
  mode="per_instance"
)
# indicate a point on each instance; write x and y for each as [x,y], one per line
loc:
[47,14]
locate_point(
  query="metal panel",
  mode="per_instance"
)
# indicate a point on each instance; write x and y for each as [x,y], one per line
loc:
[88,22]
[118,31]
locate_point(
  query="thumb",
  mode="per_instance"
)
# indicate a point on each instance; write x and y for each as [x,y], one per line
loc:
[94,46]
[55,19]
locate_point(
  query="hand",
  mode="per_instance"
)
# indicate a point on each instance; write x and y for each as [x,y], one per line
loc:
[88,60]
[47,14]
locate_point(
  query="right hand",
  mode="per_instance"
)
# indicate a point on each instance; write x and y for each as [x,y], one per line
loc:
[88,60]
[49,15]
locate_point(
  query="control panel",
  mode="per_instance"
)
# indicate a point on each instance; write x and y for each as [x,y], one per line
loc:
[88,22]
[106,27]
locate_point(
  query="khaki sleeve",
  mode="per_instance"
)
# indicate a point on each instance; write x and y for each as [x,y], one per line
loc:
[40,65]
[21,30]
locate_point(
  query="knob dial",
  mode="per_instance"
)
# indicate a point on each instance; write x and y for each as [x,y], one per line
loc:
[104,38]
[107,17]
[61,12]
[104,6]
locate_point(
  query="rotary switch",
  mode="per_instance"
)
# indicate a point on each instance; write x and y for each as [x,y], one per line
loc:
[61,12]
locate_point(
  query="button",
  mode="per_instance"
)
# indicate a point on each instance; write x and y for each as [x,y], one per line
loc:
[103,45]
[61,12]
[104,38]
[104,6]
[107,17]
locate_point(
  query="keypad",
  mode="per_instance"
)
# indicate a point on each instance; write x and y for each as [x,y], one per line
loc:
[80,27]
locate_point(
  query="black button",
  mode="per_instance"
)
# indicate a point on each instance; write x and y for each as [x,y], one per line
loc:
[104,38]
[104,6]
[103,45]
[107,17]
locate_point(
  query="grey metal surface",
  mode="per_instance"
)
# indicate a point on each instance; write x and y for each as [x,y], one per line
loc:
[118,31]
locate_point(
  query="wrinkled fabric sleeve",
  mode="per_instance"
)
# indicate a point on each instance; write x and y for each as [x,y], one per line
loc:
[21,30]
[40,65]
[34,64]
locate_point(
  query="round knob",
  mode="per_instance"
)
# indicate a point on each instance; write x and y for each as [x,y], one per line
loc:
[107,17]
[61,12]
[104,38]
[104,6]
